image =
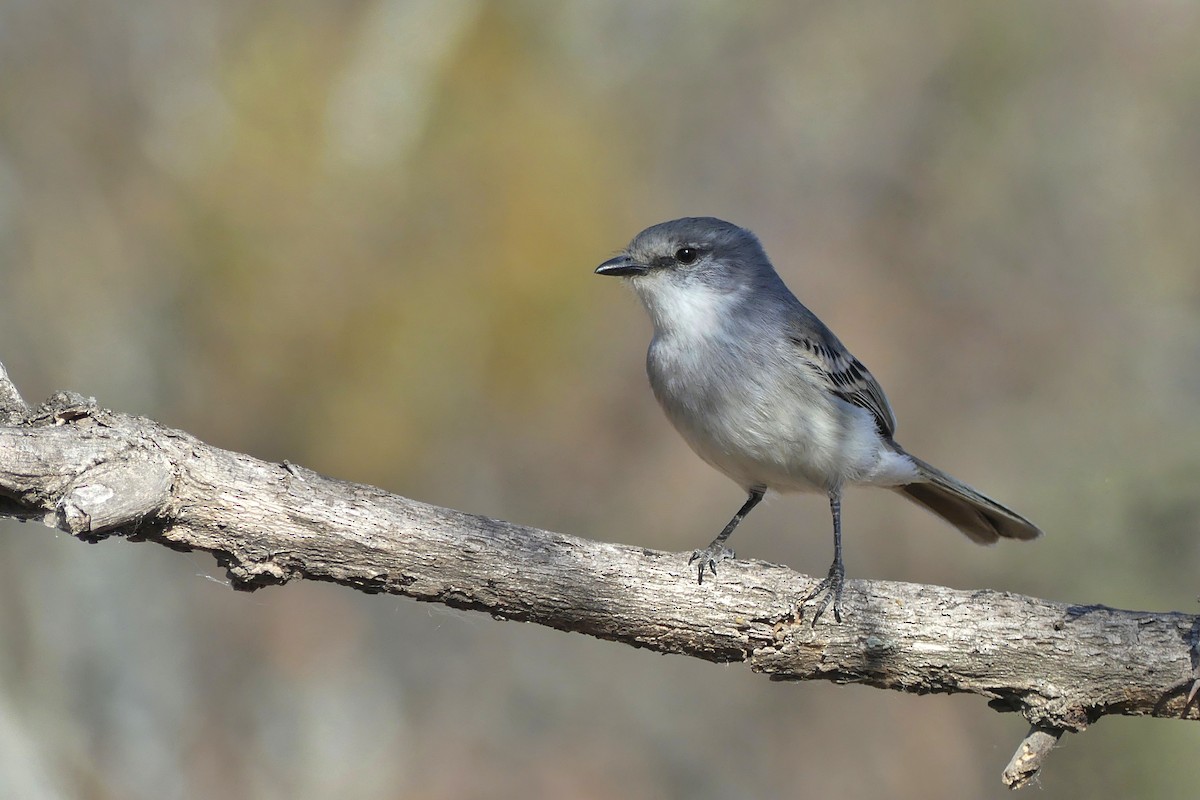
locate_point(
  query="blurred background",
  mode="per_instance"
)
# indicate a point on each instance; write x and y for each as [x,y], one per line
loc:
[360,235]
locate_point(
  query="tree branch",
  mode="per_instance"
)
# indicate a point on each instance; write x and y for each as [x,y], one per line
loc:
[95,473]
[12,407]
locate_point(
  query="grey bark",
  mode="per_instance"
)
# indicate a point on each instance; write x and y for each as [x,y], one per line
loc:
[94,473]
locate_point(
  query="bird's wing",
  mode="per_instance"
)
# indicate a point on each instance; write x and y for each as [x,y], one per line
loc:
[845,375]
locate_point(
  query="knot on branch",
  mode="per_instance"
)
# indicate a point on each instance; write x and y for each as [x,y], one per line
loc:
[246,576]
[114,494]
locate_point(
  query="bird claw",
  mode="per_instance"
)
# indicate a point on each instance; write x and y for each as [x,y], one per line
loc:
[831,587]
[709,557]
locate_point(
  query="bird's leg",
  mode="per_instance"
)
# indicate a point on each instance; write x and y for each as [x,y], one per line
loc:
[832,586]
[717,551]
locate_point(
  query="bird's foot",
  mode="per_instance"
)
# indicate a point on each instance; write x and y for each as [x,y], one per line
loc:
[709,557]
[831,587]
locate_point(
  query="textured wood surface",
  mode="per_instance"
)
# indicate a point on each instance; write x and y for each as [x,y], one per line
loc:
[96,473]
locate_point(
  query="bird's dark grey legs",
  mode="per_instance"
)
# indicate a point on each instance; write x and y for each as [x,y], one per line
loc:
[717,551]
[834,582]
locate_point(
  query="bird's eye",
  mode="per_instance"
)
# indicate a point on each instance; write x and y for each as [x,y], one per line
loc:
[687,255]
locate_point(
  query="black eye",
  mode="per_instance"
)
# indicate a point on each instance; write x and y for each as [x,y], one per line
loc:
[687,255]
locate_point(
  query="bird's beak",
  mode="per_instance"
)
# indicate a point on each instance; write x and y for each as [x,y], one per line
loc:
[621,266]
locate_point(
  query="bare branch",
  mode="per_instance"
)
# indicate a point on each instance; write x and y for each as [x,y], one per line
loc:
[1027,761]
[12,407]
[94,473]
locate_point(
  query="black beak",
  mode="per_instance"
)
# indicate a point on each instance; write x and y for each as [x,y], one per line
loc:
[621,266]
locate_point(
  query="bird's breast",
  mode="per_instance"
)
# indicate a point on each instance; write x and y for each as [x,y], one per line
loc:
[760,417]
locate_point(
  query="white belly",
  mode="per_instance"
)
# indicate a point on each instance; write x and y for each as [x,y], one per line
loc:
[758,421]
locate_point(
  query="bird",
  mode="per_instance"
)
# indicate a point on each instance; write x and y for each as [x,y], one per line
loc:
[765,393]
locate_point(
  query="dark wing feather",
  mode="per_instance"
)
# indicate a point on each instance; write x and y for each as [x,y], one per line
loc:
[845,375]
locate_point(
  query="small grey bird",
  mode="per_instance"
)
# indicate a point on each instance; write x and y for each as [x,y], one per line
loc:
[766,394]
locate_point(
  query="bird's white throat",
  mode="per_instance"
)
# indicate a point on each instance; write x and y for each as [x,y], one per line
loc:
[687,310]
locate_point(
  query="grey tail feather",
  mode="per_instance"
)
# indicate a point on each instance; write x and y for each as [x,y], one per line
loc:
[979,517]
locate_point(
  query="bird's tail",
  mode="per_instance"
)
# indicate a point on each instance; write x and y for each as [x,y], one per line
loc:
[977,515]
